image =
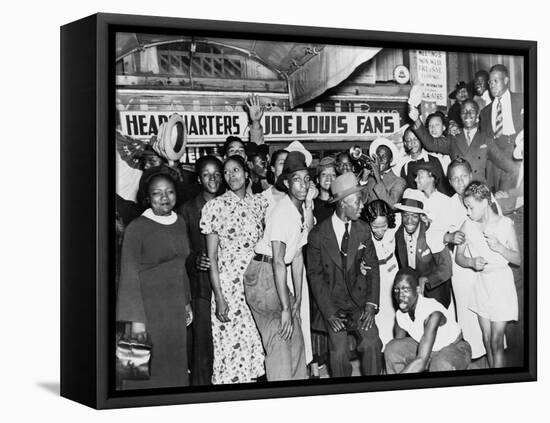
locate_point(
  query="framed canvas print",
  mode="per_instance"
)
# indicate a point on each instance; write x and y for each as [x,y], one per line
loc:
[258,211]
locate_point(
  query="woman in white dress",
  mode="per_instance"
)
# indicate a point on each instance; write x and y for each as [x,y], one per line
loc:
[464,279]
[491,243]
[384,224]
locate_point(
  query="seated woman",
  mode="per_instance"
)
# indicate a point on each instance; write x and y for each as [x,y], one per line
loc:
[153,293]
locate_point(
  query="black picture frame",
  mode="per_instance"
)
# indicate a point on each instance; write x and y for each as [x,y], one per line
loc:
[87,204]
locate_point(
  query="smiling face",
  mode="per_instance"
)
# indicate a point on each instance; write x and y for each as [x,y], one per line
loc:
[384,157]
[498,83]
[210,178]
[436,126]
[161,195]
[298,184]
[325,178]
[343,164]
[469,113]
[460,178]
[461,95]
[475,209]
[410,221]
[412,143]
[379,226]
[234,175]
[405,292]
[480,84]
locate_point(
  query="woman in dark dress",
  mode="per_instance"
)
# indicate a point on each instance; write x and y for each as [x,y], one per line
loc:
[153,293]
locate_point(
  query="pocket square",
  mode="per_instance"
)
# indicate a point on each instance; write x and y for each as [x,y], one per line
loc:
[483,146]
[425,252]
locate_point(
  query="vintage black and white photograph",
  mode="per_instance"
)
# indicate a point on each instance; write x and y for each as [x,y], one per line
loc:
[290,211]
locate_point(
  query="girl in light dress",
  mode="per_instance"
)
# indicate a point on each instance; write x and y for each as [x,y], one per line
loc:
[382,221]
[490,245]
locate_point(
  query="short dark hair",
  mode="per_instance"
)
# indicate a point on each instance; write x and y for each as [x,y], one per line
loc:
[157,172]
[499,67]
[379,208]
[483,73]
[469,101]
[275,156]
[407,273]
[438,114]
[229,140]
[203,161]
[459,161]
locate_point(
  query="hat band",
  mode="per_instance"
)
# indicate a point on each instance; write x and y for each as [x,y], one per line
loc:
[412,203]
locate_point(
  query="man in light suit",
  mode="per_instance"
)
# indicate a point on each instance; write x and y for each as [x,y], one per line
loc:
[501,120]
[470,143]
[434,269]
[342,270]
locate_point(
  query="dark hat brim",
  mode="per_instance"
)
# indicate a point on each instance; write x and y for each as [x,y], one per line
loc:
[279,183]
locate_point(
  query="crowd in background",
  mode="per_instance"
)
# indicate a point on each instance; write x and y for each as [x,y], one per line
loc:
[258,266]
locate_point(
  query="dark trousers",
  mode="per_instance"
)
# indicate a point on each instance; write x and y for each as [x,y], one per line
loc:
[369,348]
[200,349]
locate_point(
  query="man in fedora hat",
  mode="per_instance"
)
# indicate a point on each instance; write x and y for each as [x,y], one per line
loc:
[434,269]
[275,310]
[383,184]
[345,281]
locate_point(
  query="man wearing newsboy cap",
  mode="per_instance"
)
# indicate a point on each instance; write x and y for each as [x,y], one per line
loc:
[342,270]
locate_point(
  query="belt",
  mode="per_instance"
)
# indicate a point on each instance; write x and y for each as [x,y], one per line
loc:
[385,260]
[261,257]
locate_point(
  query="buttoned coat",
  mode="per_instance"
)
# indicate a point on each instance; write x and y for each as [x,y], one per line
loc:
[325,268]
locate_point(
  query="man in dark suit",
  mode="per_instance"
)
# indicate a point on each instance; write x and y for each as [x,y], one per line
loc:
[342,270]
[501,120]
[470,143]
[434,269]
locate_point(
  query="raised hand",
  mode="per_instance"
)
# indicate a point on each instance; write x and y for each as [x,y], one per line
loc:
[254,108]
[414,114]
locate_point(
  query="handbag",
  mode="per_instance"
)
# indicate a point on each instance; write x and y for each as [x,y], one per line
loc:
[133,358]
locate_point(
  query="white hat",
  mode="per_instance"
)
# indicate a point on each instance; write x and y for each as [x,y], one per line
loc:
[387,143]
[171,144]
[298,146]
[412,201]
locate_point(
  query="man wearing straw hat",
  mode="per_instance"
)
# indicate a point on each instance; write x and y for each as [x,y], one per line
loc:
[434,269]
[345,280]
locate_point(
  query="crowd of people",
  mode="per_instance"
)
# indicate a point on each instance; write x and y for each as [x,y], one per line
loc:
[271,269]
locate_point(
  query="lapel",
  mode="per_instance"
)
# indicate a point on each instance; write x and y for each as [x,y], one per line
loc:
[332,245]
[353,245]
[477,142]
[461,144]
[401,248]
[421,246]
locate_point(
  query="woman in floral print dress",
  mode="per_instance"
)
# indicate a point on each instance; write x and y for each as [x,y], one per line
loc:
[233,224]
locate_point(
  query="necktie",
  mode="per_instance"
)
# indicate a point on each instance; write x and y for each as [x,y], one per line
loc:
[468,137]
[345,241]
[499,120]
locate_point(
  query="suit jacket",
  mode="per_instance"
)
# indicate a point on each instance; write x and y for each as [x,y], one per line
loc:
[437,267]
[486,115]
[199,281]
[481,149]
[325,271]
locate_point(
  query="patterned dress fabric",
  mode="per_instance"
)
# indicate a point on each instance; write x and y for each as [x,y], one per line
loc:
[239,223]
